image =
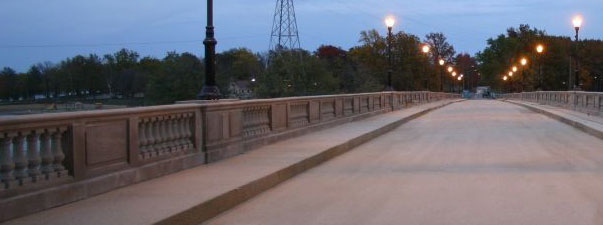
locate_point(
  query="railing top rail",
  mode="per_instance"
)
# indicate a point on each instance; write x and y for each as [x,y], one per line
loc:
[21,119]
[64,116]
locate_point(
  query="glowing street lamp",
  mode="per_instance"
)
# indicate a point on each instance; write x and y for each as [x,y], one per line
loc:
[441,62]
[450,69]
[505,78]
[577,21]
[577,24]
[510,73]
[389,22]
[524,62]
[514,69]
[540,50]
[425,49]
[454,74]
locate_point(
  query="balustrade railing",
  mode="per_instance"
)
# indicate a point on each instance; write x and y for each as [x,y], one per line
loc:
[31,156]
[98,151]
[587,102]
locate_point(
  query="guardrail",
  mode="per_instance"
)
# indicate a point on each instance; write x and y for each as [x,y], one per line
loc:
[586,102]
[65,157]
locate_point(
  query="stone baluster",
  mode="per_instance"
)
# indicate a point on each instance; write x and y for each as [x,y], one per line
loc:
[169,135]
[57,150]
[33,155]
[156,136]
[46,154]
[7,164]
[163,134]
[149,136]
[178,132]
[142,138]
[20,159]
[175,135]
[187,129]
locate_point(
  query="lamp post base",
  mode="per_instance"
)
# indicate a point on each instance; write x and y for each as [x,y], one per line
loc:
[209,93]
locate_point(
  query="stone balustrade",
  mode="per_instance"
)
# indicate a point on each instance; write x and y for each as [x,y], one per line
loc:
[80,154]
[586,102]
[32,156]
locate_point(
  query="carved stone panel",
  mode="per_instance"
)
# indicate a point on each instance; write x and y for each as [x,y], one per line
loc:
[279,117]
[106,143]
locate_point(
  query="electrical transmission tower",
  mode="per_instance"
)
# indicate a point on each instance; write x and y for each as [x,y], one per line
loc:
[284,27]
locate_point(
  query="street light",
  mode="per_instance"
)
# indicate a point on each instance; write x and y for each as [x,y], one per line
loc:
[510,73]
[540,50]
[450,69]
[514,69]
[505,78]
[210,90]
[425,49]
[389,22]
[577,24]
[524,62]
[454,74]
[441,62]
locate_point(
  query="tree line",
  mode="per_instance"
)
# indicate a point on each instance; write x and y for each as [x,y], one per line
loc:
[553,69]
[287,72]
[326,70]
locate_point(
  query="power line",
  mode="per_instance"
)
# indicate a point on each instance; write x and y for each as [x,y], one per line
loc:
[122,43]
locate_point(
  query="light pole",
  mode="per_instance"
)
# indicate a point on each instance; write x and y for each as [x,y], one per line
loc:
[441,62]
[210,90]
[511,81]
[540,50]
[425,49]
[524,62]
[451,84]
[577,24]
[389,22]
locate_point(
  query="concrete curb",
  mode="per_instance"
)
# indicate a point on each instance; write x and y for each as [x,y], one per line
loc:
[209,209]
[578,125]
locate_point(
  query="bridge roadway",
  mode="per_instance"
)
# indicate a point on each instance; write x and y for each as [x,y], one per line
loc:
[474,162]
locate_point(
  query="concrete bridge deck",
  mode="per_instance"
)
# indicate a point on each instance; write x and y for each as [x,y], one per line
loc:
[472,162]
[475,162]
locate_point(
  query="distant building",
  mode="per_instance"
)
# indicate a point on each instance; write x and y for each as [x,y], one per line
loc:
[241,89]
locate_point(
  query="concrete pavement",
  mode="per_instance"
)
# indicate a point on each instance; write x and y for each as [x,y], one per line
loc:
[475,162]
[194,195]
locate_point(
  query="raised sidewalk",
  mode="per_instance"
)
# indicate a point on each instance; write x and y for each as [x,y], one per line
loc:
[590,124]
[196,195]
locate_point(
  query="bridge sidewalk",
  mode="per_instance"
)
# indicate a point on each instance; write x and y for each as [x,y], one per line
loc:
[195,195]
[588,123]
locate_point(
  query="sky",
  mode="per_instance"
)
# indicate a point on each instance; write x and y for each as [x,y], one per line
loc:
[34,31]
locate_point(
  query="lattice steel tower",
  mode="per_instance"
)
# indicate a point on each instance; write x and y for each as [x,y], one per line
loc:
[284,27]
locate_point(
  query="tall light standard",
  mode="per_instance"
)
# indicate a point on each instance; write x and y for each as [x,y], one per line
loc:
[210,90]
[425,49]
[441,62]
[389,22]
[577,24]
[540,50]
[524,62]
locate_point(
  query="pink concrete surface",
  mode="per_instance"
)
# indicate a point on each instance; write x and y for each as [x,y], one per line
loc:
[470,163]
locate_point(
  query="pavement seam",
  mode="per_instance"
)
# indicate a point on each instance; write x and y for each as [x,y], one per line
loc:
[224,202]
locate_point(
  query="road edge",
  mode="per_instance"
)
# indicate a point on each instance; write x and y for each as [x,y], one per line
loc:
[573,123]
